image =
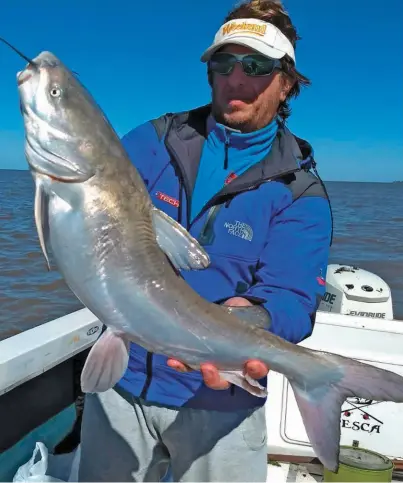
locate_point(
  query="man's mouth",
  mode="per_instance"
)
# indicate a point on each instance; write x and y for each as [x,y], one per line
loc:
[239,99]
[236,102]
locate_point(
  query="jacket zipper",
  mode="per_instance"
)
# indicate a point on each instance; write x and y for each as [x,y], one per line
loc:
[226,146]
[149,370]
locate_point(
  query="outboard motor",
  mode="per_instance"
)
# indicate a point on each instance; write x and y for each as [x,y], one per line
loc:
[353,291]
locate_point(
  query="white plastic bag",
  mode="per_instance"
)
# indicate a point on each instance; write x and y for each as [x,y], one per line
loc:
[35,471]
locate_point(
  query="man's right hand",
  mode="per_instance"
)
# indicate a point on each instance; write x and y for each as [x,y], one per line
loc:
[209,372]
[211,376]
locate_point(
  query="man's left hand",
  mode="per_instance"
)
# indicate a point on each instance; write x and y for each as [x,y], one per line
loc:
[254,368]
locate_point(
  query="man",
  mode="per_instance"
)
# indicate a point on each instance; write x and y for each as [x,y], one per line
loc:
[240,182]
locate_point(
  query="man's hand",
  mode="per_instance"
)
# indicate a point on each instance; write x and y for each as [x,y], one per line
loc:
[211,377]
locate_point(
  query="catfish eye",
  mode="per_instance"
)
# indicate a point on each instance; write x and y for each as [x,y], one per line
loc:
[55,92]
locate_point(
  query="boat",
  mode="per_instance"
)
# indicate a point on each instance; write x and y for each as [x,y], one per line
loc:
[40,368]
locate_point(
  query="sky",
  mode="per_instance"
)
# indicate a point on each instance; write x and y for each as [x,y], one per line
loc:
[141,59]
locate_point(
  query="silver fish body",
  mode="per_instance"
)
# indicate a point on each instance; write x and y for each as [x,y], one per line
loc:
[127,281]
[122,258]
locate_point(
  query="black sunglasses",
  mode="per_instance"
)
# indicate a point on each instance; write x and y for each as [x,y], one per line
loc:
[253,64]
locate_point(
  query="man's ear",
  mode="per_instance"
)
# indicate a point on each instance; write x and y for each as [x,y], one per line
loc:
[287,84]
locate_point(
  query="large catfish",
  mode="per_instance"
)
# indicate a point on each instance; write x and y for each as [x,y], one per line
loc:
[122,258]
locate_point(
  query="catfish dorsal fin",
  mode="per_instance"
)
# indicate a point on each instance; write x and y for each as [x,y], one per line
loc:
[184,251]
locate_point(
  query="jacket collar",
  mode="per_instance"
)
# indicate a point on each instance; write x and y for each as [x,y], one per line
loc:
[187,132]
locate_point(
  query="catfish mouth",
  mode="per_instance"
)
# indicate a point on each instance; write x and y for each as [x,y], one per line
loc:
[45,161]
[25,75]
[40,158]
[51,165]
[39,137]
[52,147]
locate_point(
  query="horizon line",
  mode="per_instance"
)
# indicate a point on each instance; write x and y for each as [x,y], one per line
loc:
[324,180]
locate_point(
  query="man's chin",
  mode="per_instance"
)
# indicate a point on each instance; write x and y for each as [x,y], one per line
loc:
[235,118]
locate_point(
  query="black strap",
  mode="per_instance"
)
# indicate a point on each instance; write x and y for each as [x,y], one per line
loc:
[308,164]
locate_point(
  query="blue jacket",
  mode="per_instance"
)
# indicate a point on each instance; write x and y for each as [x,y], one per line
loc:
[267,233]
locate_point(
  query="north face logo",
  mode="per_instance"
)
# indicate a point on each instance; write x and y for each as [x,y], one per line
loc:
[240,229]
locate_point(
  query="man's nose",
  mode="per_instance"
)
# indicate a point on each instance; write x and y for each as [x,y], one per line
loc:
[237,76]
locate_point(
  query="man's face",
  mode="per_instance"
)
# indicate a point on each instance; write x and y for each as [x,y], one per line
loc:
[245,102]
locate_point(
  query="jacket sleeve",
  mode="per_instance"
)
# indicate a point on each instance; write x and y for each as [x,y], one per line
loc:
[290,279]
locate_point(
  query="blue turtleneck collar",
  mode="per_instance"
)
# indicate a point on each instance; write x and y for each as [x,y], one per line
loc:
[240,145]
[228,153]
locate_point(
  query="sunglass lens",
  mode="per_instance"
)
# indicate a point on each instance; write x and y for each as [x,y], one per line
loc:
[222,63]
[258,65]
[253,64]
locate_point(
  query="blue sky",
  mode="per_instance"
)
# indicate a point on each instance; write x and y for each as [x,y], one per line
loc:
[141,59]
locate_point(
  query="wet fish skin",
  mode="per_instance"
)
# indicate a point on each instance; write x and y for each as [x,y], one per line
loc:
[121,257]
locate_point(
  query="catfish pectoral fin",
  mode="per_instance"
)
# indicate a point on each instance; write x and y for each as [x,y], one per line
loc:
[106,362]
[41,215]
[178,244]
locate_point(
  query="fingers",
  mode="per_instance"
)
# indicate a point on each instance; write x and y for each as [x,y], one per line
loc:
[210,373]
[256,369]
[238,302]
[178,365]
[212,377]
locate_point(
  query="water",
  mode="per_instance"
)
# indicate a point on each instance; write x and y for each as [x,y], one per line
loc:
[368,233]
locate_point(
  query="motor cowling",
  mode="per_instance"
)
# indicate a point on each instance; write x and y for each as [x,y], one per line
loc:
[351,290]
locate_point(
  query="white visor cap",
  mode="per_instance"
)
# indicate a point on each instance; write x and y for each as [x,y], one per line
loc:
[261,36]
